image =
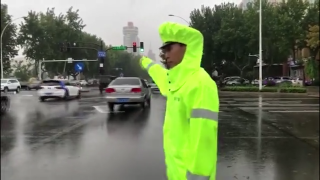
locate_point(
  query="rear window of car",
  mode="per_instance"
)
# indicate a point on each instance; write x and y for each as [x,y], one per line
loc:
[125,81]
[286,78]
[51,83]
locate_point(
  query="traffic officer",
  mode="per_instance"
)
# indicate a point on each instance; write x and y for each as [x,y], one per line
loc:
[191,120]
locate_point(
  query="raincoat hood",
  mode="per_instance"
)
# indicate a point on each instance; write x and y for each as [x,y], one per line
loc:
[193,39]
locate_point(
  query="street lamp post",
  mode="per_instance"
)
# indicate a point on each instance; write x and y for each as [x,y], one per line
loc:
[180,18]
[260,45]
[1,42]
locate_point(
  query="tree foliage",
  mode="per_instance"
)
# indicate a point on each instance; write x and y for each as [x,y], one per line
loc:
[313,37]
[9,41]
[231,33]
[22,71]
[41,34]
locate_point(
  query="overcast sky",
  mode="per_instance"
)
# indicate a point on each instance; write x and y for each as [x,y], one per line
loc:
[105,18]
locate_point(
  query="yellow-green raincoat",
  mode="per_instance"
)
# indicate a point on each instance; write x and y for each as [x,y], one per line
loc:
[191,120]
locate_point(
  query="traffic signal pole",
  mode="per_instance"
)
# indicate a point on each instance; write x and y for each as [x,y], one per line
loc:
[101,59]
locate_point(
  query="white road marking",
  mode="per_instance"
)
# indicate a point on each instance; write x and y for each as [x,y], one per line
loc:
[103,110]
[298,111]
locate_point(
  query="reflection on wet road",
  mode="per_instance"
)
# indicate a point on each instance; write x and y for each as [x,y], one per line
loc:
[260,138]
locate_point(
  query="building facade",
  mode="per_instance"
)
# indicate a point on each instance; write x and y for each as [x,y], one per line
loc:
[130,35]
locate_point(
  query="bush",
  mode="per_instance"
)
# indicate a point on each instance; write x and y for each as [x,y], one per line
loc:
[265,89]
[293,90]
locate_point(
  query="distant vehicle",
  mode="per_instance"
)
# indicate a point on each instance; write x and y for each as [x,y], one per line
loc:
[33,85]
[281,79]
[128,90]
[226,79]
[10,85]
[269,81]
[255,82]
[5,104]
[154,88]
[104,81]
[83,82]
[61,89]
[299,82]
[237,81]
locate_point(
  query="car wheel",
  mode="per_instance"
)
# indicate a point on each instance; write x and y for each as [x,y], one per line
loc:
[111,107]
[4,106]
[79,95]
[5,90]
[42,99]
[149,102]
[18,90]
[143,104]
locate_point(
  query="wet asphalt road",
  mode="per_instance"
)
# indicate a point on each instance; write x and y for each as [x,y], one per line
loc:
[260,138]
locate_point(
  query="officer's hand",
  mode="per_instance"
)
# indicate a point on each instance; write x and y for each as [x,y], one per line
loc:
[144,61]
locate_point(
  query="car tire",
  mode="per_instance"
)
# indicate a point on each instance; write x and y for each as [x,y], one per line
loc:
[149,102]
[79,95]
[18,90]
[5,105]
[42,99]
[111,107]
[143,104]
[5,90]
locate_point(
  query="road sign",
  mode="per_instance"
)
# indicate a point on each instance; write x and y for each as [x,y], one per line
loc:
[119,48]
[121,75]
[69,60]
[78,67]
[101,54]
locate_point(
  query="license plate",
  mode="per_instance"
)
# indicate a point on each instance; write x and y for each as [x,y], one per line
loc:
[123,100]
[47,93]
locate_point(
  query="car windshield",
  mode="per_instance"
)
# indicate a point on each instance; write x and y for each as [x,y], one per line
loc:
[276,78]
[286,78]
[3,81]
[126,81]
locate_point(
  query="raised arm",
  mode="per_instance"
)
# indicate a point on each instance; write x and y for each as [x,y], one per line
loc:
[157,73]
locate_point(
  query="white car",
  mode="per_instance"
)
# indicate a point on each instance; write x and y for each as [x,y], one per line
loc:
[297,81]
[61,89]
[83,82]
[10,85]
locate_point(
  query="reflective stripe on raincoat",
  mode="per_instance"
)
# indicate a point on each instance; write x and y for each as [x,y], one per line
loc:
[191,120]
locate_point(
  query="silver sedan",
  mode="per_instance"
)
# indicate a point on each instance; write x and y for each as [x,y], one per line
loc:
[128,90]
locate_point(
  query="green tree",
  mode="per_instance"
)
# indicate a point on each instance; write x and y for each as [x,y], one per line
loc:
[290,25]
[22,71]
[313,40]
[9,41]
[41,34]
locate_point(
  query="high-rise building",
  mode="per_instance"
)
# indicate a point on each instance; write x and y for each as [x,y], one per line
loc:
[130,35]
[151,55]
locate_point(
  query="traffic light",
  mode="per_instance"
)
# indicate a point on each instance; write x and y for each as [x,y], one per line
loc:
[141,47]
[134,46]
